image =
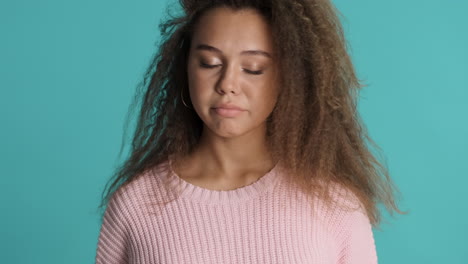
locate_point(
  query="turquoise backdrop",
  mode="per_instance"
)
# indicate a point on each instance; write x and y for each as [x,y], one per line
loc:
[68,70]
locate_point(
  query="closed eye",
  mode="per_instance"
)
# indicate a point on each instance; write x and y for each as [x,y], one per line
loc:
[253,72]
[209,66]
[204,65]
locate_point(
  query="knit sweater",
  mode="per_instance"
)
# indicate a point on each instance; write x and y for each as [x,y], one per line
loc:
[262,222]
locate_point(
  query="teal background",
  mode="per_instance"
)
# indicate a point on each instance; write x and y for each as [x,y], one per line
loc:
[68,70]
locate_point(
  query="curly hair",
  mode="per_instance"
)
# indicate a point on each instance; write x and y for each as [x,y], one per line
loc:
[314,129]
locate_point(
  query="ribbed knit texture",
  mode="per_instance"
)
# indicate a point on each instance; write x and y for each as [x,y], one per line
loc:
[258,223]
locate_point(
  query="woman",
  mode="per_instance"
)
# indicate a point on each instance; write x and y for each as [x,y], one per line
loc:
[248,147]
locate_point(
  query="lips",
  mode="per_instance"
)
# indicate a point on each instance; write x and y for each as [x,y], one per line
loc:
[228,110]
[229,107]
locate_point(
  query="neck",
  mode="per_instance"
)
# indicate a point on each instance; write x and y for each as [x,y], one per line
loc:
[231,156]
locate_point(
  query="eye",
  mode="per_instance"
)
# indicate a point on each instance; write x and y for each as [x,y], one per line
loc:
[254,72]
[209,66]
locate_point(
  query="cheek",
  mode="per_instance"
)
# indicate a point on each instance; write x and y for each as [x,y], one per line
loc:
[266,96]
[198,85]
[199,91]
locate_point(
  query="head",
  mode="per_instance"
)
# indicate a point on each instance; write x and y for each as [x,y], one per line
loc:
[305,84]
[304,99]
[231,62]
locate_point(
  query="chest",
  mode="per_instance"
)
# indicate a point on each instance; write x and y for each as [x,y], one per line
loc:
[248,233]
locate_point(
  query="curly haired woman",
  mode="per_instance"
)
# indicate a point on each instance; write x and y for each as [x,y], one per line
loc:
[249,147]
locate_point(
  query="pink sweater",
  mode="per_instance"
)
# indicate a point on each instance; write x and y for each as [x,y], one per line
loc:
[257,223]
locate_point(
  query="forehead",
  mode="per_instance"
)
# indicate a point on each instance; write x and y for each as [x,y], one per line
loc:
[233,30]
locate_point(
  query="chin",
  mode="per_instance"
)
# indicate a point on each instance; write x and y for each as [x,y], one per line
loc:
[228,133]
[225,132]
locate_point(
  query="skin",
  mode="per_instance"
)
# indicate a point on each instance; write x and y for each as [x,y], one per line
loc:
[232,151]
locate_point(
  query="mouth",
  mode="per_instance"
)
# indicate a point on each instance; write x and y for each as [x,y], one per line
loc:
[227,112]
[228,106]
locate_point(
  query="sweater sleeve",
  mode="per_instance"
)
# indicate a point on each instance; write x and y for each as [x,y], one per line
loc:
[356,240]
[113,237]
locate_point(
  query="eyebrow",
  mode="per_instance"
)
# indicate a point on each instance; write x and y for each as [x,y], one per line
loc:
[245,52]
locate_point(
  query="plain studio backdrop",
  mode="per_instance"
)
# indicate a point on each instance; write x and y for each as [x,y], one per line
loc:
[68,71]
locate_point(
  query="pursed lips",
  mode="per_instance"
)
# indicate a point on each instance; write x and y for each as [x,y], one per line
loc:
[228,110]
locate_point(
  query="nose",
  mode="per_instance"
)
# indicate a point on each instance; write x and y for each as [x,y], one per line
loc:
[229,81]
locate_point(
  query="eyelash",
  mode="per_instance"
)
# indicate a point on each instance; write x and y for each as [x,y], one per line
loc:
[208,66]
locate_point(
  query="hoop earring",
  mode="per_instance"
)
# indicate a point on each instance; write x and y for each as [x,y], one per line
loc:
[182,98]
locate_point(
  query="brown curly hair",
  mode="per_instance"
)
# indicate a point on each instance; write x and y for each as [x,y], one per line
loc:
[314,129]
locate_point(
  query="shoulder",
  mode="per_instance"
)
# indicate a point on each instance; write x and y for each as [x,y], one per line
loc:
[144,188]
[339,207]
[345,198]
[123,216]
[352,230]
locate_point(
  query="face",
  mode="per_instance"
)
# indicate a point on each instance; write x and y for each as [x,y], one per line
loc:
[232,65]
